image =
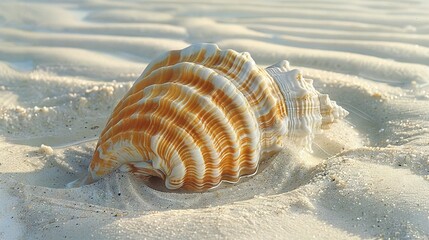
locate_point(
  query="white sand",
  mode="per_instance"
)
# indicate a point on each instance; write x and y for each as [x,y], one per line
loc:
[64,65]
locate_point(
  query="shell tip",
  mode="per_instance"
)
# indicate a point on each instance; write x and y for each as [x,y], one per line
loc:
[339,112]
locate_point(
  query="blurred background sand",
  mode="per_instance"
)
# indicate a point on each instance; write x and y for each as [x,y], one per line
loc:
[65,64]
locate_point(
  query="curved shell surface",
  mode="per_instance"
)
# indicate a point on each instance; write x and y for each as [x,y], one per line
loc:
[199,116]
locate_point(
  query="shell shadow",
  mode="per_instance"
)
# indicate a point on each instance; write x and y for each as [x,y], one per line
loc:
[363,111]
[56,170]
[284,172]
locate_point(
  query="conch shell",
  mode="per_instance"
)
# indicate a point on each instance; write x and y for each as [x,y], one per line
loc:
[201,115]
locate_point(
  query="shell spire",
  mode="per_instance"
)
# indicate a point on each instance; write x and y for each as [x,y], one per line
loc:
[202,115]
[308,110]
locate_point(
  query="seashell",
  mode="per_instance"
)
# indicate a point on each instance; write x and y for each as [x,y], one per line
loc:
[201,115]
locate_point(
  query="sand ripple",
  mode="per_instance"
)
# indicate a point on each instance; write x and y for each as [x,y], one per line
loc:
[63,67]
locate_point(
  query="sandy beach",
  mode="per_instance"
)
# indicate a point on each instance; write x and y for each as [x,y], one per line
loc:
[64,65]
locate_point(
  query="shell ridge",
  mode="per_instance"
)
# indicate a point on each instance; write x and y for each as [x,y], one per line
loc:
[232,90]
[147,81]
